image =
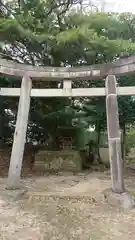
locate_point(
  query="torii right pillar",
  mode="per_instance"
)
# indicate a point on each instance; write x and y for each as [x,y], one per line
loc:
[118,196]
[114,135]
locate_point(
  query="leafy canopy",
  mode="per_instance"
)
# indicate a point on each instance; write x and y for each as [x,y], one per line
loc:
[53,33]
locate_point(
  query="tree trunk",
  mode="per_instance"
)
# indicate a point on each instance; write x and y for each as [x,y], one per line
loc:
[98,136]
[123,143]
[1,123]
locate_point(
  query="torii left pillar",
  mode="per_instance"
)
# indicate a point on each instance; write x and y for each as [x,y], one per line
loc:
[19,135]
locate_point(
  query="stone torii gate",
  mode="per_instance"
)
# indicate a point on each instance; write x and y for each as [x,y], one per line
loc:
[101,71]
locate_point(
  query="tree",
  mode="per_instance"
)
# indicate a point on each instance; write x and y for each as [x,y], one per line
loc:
[51,33]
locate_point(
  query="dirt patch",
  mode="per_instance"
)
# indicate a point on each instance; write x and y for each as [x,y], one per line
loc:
[65,207]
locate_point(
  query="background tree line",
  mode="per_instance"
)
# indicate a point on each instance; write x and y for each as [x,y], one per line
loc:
[57,33]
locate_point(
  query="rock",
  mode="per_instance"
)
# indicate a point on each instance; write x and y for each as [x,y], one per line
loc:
[14,195]
[81,174]
[17,195]
[65,174]
[131,166]
[124,200]
[3,203]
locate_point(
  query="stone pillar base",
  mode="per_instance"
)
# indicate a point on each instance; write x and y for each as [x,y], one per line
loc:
[124,200]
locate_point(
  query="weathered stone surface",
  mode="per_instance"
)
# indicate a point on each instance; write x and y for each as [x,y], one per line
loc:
[20,133]
[114,136]
[3,203]
[65,160]
[124,200]
[119,68]
[14,195]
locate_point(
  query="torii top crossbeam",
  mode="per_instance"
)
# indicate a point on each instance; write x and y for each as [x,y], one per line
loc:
[118,68]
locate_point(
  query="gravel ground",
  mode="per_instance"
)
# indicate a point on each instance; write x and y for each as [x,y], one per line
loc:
[65,208]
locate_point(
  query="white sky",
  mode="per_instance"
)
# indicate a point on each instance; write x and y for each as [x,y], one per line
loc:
[121,5]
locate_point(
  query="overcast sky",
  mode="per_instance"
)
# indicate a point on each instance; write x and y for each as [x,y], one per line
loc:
[121,5]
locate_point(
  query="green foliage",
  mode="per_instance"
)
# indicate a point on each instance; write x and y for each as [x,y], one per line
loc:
[130,140]
[48,33]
